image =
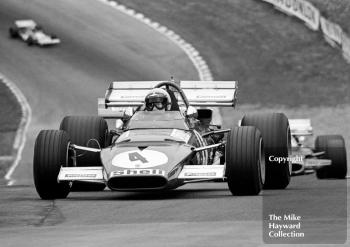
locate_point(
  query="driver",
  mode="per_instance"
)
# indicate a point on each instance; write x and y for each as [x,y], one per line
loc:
[157,99]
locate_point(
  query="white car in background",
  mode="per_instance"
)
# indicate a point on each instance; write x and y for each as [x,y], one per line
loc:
[32,33]
[327,157]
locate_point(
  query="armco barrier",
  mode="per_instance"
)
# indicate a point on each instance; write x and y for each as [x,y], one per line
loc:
[307,12]
[332,32]
[301,9]
[346,47]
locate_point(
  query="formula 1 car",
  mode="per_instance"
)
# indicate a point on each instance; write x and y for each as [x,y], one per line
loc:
[32,34]
[327,158]
[162,150]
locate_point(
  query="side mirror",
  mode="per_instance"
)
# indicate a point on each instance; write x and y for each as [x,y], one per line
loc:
[119,124]
[128,112]
[191,112]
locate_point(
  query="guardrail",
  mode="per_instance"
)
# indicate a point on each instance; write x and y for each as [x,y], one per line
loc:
[313,19]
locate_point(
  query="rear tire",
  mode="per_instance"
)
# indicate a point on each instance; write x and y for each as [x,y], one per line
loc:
[244,161]
[50,153]
[275,132]
[85,131]
[334,146]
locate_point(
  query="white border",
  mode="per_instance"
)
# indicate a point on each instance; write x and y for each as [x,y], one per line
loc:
[20,139]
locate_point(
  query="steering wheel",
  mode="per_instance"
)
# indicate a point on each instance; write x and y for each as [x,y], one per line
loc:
[178,89]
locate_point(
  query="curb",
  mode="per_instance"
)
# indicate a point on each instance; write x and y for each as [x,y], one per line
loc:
[20,139]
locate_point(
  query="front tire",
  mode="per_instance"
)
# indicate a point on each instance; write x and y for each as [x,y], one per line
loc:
[88,131]
[244,161]
[275,132]
[50,153]
[334,148]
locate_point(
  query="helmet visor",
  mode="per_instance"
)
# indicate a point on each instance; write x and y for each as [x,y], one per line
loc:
[158,102]
[156,99]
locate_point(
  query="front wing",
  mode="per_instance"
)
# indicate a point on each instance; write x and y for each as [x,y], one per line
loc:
[310,165]
[189,173]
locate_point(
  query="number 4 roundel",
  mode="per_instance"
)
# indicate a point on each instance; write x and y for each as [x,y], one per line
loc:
[140,159]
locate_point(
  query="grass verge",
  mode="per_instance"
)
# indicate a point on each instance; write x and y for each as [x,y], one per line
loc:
[10,112]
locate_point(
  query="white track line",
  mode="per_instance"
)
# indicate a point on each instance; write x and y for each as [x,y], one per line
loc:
[20,139]
[199,63]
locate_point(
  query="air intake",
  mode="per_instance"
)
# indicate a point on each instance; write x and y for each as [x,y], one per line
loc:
[137,182]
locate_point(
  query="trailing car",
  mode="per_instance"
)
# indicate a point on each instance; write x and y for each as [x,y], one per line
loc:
[327,158]
[32,33]
[160,141]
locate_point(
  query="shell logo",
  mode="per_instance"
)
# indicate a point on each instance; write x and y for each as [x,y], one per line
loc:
[140,159]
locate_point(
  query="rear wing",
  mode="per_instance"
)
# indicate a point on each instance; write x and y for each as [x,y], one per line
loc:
[300,127]
[199,93]
[25,24]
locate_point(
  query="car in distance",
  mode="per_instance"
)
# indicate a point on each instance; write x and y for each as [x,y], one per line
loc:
[162,150]
[31,33]
[327,157]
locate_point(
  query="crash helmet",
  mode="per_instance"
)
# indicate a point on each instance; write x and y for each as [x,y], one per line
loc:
[157,98]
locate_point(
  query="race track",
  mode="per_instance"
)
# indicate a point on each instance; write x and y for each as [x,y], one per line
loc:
[100,45]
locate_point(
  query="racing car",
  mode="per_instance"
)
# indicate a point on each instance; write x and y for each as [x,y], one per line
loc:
[129,147]
[32,33]
[327,158]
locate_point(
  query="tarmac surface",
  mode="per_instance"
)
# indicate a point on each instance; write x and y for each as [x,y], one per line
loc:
[193,215]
